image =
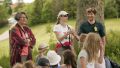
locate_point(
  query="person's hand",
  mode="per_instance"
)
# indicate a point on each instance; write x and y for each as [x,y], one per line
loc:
[69,32]
[27,41]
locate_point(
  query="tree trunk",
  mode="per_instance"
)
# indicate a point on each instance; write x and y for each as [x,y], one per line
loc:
[82,5]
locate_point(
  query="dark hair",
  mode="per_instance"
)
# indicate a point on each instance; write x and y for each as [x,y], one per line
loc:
[54,66]
[58,21]
[70,58]
[43,62]
[91,10]
[18,15]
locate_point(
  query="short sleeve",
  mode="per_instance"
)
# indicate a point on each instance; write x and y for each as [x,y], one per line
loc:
[102,30]
[56,28]
[83,53]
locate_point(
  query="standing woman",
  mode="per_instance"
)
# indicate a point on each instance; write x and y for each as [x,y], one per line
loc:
[21,40]
[64,33]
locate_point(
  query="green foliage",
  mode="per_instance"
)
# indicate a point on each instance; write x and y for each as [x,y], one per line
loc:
[3,15]
[70,7]
[111,9]
[52,40]
[49,28]
[48,9]
[19,8]
[37,12]
[112,49]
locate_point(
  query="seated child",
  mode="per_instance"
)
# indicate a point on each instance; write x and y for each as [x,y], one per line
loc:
[42,51]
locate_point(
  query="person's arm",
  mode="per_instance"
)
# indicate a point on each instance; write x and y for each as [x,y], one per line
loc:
[32,39]
[104,40]
[82,62]
[15,34]
[102,34]
[100,59]
[75,34]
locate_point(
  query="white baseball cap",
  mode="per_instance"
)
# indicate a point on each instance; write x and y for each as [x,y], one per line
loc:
[53,57]
[62,13]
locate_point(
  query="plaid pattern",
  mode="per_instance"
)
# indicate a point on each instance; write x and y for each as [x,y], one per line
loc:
[17,42]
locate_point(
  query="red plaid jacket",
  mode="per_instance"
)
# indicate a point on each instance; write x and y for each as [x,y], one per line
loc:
[17,42]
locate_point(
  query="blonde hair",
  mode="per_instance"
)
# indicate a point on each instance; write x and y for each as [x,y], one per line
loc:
[92,46]
[18,65]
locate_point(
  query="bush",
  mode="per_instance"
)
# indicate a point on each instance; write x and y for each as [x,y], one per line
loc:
[52,40]
[112,49]
[3,23]
[111,9]
[3,15]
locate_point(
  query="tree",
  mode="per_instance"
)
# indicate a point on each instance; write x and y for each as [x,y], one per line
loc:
[111,9]
[3,14]
[70,7]
[118,7]
[37,12]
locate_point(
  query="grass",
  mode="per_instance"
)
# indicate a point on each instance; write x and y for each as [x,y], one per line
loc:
[42,36]
[112,25]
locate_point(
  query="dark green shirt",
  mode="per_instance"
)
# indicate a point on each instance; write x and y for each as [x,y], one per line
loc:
[86,27]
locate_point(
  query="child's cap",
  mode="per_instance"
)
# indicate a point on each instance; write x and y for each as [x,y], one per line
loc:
[42,46]
[53,57]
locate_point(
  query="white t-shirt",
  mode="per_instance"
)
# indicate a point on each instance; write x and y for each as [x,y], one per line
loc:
[62,31]
[84,54]
[102,65]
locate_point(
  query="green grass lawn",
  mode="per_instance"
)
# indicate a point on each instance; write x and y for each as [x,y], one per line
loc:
[42,36]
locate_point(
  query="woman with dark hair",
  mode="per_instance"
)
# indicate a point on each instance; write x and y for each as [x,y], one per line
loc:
[21,40]
[69,59]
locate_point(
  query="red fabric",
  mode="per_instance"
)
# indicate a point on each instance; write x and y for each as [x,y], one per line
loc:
[17,43]
[58,45]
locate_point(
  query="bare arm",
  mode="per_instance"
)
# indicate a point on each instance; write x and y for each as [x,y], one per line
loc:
[82,62]
[104,40]
[100,59]
[75,35]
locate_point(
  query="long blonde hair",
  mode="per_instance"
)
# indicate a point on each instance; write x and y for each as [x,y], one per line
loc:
[92,46]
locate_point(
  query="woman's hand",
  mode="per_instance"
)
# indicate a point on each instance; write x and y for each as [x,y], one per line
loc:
[74,34]
[27,41]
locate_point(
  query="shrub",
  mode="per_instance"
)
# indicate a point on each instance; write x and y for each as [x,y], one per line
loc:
[112,49]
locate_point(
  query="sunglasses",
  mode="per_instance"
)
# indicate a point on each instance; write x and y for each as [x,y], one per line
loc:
[64,15]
